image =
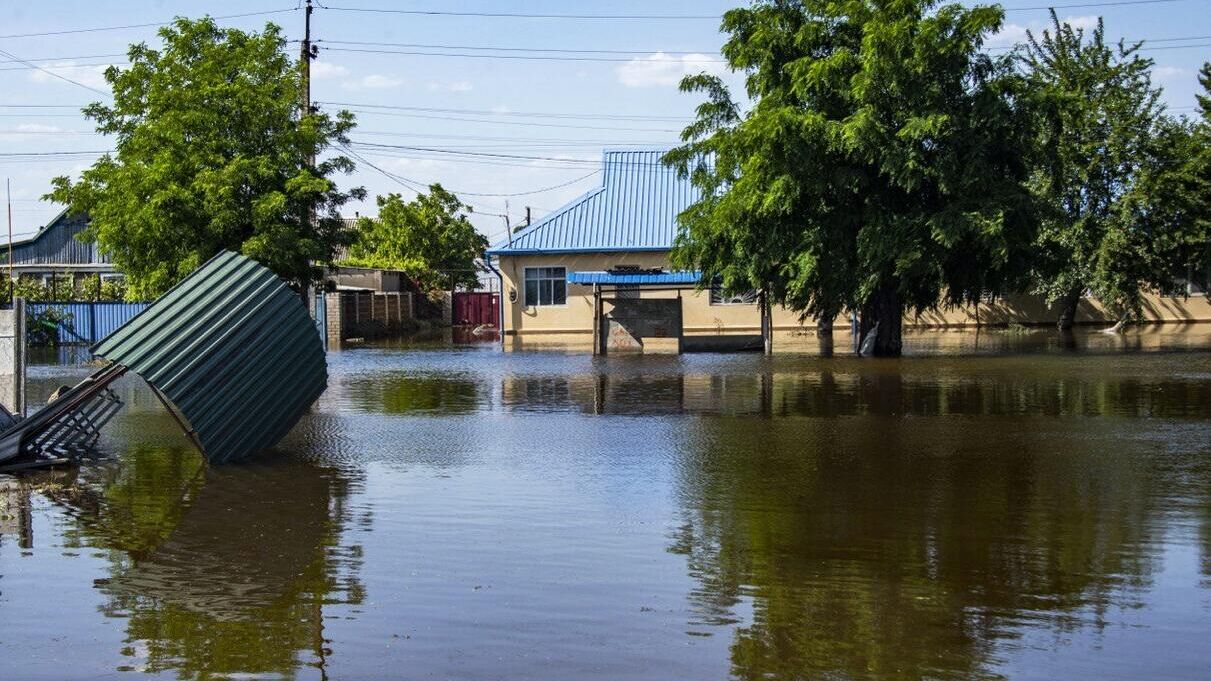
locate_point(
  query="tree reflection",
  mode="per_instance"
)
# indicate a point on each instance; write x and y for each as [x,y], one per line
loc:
[218,571]
[891,547]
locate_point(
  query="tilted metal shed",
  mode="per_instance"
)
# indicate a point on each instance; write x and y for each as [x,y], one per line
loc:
[233,351]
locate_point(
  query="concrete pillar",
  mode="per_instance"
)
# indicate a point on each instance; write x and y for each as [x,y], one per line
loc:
[12,358]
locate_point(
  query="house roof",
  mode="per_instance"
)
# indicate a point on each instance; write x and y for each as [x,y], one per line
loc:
[634,209]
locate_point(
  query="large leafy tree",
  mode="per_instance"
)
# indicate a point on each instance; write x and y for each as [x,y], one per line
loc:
[212,152]
[1099,128]
[879,169]
[430,238]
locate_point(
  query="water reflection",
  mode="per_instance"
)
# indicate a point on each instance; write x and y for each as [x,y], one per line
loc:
[216,571]
[553,516]
[907,551]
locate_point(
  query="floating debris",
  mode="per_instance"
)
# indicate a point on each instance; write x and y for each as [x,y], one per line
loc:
[231,351]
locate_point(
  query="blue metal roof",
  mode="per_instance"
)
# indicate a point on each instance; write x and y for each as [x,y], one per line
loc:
[614,278]
[634,209]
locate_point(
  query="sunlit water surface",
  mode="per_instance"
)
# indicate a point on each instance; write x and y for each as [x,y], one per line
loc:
[1026,510]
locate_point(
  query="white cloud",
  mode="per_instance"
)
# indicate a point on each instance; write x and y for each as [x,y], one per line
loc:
[1171,72]
[38,127]
[322,70]
[456,86]
[374,81]
[664,70]
[92,76]
[1012,34]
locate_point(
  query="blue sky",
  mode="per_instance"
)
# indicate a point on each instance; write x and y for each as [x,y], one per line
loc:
[624,97]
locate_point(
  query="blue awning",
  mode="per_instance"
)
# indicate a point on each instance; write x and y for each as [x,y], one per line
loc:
[637,279]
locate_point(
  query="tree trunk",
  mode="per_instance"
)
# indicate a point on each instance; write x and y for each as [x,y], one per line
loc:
[1068,305]
[883,314]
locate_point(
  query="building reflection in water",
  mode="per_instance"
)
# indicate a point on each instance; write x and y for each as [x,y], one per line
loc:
[217,571]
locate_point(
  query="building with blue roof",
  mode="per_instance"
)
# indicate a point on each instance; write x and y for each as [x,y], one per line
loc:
[599,268]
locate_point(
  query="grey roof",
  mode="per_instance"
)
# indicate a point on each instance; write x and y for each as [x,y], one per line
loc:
[634,209]
[56,244]
[233,348]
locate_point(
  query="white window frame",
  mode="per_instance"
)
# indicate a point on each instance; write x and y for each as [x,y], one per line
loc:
[716,297]
[525,294]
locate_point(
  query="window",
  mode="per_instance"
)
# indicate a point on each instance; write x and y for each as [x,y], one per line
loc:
[546,286]
[718,297]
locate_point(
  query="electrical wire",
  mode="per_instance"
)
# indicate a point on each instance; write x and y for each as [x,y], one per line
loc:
[148,25]
[528,57]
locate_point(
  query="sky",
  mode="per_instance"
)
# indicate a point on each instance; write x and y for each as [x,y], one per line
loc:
[508,112]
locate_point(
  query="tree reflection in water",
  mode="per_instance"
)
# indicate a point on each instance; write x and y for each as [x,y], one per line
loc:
[908,543]
[222,570]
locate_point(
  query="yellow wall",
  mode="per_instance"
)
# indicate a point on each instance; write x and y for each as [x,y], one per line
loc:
[572,324]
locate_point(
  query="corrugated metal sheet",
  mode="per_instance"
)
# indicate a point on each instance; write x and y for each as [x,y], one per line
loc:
[89,322]
[233,349]
[56,244]
[647,279]
[635,209]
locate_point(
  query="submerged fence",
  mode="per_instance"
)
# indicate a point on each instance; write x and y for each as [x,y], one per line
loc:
[85,323]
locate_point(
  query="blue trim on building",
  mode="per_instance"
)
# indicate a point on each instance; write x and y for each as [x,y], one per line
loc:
[681,278]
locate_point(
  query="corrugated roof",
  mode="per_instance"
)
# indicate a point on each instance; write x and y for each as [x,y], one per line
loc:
[634,209]
[234,350]
[637,279]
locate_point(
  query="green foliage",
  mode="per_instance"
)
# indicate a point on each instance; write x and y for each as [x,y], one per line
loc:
[1101,139]
[42,328]
[430,238]
[66,287]
[211,153]
[880,167]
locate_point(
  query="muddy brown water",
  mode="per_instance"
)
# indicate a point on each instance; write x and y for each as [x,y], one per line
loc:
[1017,505]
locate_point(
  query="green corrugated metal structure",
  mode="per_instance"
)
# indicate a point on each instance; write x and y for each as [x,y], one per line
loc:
[233,349]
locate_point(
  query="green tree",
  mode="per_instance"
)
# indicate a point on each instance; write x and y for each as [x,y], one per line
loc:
[1097,118]
[430,238]
[211,153]
[879,169]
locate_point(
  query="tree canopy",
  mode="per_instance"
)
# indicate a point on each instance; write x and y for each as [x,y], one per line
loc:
[1102,148]
[211,153]
[881,166]
[429,238]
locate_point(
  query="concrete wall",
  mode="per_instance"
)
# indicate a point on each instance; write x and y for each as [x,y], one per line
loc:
[571,324]
[12,358]
[366,315]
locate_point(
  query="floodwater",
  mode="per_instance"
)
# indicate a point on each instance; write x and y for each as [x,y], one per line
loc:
[1024,510]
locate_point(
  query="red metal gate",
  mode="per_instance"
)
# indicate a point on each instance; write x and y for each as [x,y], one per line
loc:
[474,308]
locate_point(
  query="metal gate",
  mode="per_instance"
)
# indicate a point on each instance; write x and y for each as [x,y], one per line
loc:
[476,308]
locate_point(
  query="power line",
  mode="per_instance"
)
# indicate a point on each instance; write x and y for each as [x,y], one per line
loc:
[14,57]
[678,17]
[523,15]
[525,57]
[413,184]
[489,121]
[1090,4]
[527,114]
[483,48]
[83,56]
[148,25]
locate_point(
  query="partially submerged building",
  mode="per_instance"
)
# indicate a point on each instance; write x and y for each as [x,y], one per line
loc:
[599,268]
[55,250]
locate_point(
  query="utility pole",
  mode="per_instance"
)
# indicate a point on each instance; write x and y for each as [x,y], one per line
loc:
[307,53]
[527,216]
[306,56]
